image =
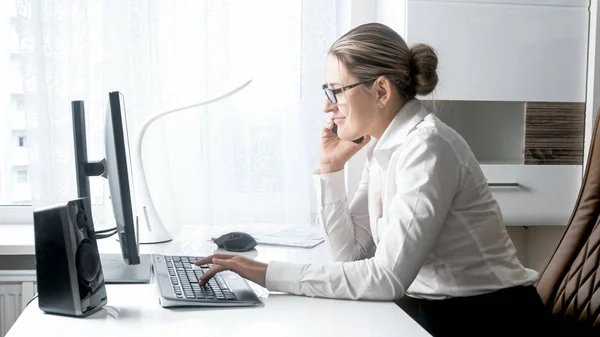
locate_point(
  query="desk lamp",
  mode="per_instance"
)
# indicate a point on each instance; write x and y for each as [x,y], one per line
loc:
[154,231]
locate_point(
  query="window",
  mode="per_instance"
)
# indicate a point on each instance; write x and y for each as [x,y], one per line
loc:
[18,105]
[22,176]
[244,151]
[14,180]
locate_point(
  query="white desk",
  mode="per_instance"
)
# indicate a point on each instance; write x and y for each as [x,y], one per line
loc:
[133,310]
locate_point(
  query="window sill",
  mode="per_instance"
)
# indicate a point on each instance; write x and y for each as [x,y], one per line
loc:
[17,239]
[16,215]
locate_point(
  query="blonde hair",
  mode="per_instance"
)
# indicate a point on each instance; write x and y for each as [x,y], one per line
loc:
[372,50]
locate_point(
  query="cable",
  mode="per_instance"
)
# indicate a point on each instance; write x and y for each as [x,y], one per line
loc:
[31,300]
[106,235]
[106,230]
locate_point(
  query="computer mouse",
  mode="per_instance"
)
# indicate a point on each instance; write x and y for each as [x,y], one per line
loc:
[236,241]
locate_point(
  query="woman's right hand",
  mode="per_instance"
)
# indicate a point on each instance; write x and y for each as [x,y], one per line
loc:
[335,152]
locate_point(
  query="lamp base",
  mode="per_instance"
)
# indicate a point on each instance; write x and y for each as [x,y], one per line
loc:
[155,236]
[158,233]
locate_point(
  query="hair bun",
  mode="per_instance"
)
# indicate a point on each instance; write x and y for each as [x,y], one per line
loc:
[423,64]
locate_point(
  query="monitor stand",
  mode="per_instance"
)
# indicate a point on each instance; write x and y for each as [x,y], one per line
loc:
[117,272]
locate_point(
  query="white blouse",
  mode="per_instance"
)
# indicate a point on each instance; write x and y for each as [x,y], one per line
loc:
[423,223]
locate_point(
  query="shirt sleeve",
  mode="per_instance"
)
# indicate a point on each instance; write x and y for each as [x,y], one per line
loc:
[427,175]
[346,226]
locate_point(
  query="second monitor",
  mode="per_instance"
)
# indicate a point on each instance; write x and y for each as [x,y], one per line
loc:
[129,266]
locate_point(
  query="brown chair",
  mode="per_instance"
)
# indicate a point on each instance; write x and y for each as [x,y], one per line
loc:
[569,285]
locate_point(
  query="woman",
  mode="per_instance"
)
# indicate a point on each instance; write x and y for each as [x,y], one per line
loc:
[423,228]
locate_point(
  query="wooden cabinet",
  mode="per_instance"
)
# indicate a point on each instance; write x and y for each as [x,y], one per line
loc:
[534,195]
[530,133]
[512,81]
[531,154]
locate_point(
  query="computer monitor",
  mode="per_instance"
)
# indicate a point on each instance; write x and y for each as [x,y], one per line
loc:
[116,167]
[120,177]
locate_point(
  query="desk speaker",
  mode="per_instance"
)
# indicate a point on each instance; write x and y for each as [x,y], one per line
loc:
[69,274]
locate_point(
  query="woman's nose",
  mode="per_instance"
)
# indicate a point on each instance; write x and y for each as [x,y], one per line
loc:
[329,107]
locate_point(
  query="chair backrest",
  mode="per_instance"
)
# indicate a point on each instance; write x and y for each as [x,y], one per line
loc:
[569,285]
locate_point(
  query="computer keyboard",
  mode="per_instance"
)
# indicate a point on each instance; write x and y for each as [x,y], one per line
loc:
[184,280]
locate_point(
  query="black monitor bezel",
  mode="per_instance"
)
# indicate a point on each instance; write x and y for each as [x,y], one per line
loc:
[127,230]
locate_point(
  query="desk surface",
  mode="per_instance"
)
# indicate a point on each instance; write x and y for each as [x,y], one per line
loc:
[134,309]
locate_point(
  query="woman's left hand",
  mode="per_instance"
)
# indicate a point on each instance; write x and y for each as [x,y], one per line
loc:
[247,268]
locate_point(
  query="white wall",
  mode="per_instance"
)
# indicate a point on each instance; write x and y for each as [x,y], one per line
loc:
[535,245]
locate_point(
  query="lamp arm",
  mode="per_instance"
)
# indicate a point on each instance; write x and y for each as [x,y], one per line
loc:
[153,221]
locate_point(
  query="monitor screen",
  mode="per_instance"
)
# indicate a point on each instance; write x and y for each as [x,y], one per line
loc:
[120,178]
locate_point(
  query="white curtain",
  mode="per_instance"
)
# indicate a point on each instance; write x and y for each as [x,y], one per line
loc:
[245,160]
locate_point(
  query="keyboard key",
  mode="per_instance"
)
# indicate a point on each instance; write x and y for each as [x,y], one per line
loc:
[176,259]
[189,294]
[174,280]
[221,282]
[168,258]
[198,291]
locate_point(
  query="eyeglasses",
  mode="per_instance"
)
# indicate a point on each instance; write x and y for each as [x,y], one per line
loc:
[331,93]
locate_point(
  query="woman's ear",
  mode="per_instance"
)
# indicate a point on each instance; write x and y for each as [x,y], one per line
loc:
[383,90]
